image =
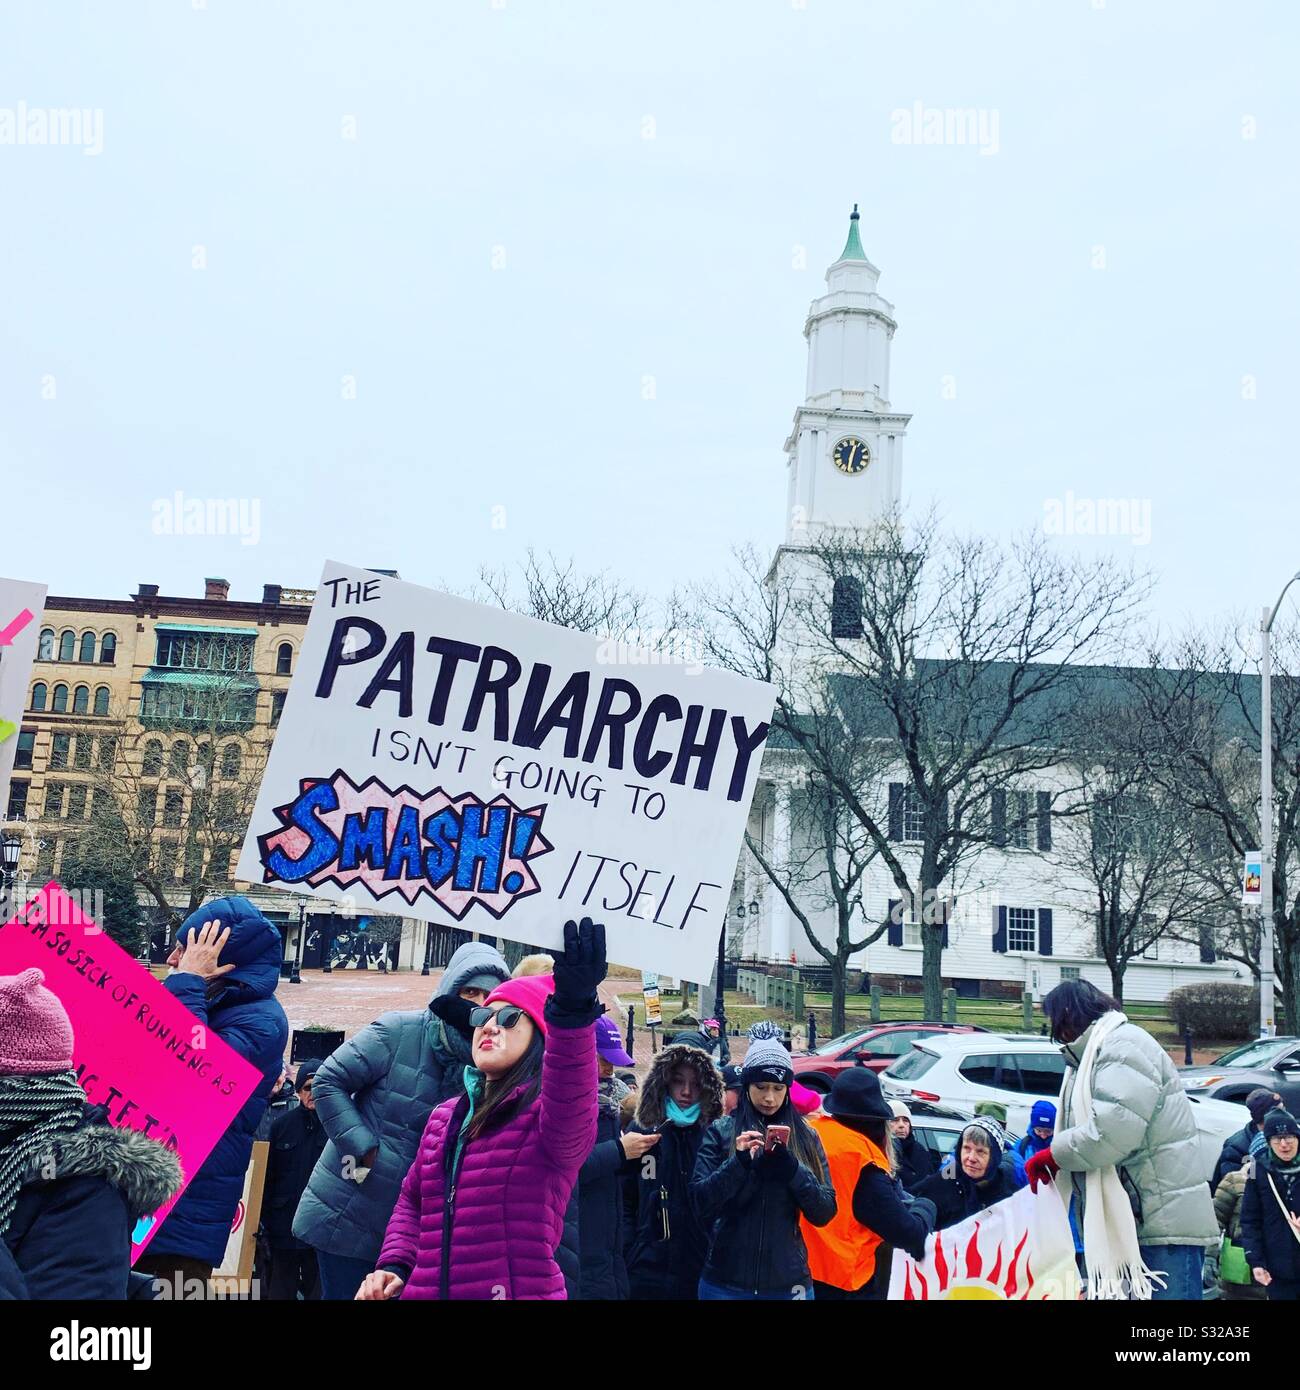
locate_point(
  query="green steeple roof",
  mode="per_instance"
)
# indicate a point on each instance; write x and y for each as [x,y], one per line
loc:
[853,246]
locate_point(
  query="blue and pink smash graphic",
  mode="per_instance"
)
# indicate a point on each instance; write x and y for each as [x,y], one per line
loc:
[459,850]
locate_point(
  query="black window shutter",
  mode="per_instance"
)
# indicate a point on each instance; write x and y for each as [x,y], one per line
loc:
[999,811]
[896,810]
[1044,931]
[1000,929]
[894,935]
[1208,953]
[1044,820]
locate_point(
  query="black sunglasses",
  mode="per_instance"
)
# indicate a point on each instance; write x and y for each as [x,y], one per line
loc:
[505,1018]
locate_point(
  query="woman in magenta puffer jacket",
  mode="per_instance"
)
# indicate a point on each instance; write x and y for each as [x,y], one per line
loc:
[482,1208]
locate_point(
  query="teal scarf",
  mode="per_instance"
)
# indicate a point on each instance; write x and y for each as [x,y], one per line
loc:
[680,1115]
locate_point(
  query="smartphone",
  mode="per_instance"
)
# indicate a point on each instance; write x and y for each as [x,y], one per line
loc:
[776,1134]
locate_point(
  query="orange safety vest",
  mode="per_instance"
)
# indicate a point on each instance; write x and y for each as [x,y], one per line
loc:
[843,1254]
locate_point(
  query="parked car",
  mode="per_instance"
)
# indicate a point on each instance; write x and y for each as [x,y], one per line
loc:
[876,1047]
[1016,1070]
[1270,1062]
[938,1127]
[966,1069]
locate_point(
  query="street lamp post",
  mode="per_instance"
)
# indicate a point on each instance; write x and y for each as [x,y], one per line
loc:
[11,848]
[296,977]
[428,948]
[1267,1027]
[720,998]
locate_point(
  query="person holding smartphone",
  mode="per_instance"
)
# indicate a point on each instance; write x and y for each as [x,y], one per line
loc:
[681,1098]
[481,1210]
[758,1170]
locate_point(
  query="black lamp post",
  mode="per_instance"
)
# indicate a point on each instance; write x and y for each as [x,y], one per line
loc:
[11,848]
[428,948]
[295,977]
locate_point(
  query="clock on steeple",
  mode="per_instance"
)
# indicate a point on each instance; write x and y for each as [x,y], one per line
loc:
[851,456]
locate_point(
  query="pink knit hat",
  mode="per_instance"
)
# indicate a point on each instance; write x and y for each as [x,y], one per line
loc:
[35,1033]
[530,992]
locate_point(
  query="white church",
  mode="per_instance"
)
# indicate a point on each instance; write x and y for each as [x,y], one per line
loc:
[1021,915]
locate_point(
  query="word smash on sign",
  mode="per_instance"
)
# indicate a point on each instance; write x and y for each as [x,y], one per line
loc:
[457,849]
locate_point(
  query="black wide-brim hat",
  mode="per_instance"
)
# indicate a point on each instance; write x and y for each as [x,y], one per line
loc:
[856,1095]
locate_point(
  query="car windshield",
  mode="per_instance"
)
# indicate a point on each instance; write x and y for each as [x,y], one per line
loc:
[1259,1053]
[913,1065]
[838,1044]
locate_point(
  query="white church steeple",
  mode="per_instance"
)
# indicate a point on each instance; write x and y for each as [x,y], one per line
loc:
[845,449]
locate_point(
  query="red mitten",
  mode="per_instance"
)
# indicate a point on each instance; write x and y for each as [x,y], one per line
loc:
[1042,1167]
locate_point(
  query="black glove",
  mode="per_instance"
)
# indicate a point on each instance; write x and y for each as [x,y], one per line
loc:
[578,970]
[454,1012]
[778,1164]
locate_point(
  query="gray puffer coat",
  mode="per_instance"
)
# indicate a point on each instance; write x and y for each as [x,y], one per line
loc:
[1142,1124]
[376,1092]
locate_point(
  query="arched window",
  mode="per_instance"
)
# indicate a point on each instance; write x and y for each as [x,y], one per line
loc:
[67,646]
[153,758]
[180,759]
[230,760]
[846,607]
[108,649]
[39,692]
[284,659]
[87,652]
[60,705]
[45,651]
[101,700]
[81,700]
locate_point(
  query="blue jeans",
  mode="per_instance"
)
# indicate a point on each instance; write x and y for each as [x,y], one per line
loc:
[340,1275]
[714,1292]
[1181,1265]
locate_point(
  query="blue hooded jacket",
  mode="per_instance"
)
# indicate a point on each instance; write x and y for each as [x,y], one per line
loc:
[243,1012]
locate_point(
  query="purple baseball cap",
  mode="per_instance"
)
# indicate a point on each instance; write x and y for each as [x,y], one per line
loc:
[609,1042]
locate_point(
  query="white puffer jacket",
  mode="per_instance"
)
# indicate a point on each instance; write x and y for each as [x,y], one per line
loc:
[1142,1124]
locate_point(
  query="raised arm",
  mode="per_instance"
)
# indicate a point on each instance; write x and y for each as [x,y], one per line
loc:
[570,1076]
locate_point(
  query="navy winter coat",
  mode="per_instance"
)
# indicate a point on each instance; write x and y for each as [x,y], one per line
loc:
[70,1235]
[600,1214]
[242,1010]
[757,1243]
[1265,1232]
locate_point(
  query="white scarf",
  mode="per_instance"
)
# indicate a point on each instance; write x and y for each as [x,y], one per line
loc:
[1110,1242]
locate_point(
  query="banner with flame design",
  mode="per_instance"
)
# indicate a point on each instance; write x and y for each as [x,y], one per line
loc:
[1019,1249]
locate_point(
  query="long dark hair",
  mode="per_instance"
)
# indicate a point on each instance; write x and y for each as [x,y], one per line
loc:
[1074,1006]
[527,1071]
[803,1142]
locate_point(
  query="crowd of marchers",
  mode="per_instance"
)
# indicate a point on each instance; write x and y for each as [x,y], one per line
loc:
[497,1144]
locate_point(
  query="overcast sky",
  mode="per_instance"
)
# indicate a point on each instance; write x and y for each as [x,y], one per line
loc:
[385,269]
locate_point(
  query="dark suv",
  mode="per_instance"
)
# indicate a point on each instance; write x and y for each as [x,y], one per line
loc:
[877,1047]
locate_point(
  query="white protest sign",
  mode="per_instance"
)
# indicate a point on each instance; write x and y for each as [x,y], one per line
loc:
[1018,1249]
[455,762]
[21,605]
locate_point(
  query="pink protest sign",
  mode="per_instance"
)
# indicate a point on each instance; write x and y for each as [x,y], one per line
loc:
[137,1049]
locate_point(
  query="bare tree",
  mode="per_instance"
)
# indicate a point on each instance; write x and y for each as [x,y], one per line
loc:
[956,657]
[175,800]
[830,855]
[1202,696]
[1132,842]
